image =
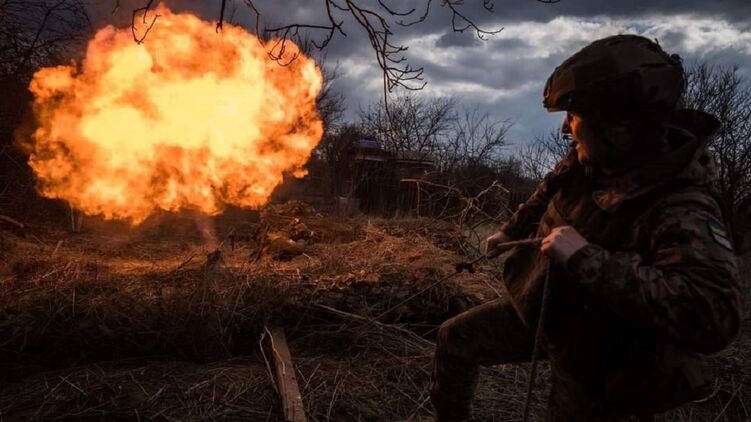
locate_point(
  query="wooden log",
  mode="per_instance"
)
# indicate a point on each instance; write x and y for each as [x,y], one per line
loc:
[286,380]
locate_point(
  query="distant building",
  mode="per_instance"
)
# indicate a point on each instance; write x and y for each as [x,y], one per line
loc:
[414,164]
[374,179]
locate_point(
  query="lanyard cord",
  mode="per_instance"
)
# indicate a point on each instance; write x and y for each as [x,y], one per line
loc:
[538,340]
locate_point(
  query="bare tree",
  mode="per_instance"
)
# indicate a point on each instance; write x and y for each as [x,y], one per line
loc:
[335,151]
[37,33]
[725,93]
[330,102]
[33,34]
[474,140]
[469,187]
[460,141]
[540,156]
[377,19]
[414,123]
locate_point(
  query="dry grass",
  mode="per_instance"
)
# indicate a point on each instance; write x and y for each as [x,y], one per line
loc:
[145,390]
[89,299]
[87,302]
[129,325]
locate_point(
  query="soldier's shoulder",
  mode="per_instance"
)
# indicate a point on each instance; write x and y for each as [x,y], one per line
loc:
[696,210]
[690,197]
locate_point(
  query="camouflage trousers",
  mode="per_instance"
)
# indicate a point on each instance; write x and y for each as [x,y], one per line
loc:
[493,334]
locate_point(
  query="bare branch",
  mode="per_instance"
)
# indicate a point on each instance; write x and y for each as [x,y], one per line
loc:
[145,10]
[36,33]
[725,93]
[540,156]
[461,22]
[375,21]
[252,7]
[220,22]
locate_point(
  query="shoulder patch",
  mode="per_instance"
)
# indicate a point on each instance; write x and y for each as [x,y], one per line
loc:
[719,233]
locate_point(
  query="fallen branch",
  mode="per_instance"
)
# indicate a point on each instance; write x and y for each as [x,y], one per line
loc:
[294,411]
[422,341]
[13,221]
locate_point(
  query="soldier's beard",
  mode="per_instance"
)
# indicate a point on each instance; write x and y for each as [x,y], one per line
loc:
[593,153]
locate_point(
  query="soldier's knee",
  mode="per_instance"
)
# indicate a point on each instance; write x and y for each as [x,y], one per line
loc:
[447,331]
[450,336]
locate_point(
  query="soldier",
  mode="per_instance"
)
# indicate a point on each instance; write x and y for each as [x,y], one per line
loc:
[642,270]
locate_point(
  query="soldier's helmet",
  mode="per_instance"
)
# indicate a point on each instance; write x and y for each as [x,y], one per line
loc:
[622,76]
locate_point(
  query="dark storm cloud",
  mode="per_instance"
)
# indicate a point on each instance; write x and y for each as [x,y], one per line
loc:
[273,12]
[456,39]
[672,37]
[505,74]
[733,10]
[511,43]
[491,63]
[504,10]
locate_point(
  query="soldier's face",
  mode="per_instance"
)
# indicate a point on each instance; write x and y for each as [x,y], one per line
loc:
[590,149]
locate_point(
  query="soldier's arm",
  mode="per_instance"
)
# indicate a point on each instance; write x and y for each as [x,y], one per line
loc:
[685,290]
[528,215]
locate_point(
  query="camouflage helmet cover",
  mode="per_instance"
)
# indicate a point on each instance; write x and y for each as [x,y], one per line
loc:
[621,74]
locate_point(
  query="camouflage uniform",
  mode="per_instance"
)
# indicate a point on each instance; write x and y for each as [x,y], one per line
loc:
[631,313]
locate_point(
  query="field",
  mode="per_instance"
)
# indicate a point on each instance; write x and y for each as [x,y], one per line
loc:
[120,323]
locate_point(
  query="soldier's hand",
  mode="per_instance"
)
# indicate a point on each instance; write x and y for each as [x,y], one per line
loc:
[562,243]
[494,240]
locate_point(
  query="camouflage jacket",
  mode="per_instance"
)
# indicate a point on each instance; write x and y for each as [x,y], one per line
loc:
[631,313]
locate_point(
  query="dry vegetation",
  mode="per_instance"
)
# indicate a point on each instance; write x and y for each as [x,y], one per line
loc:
[129,324]
[142,327]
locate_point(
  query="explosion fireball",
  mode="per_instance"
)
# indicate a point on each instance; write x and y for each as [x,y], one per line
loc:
[190,119]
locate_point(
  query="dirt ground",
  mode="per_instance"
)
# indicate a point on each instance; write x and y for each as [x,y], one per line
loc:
[121,323]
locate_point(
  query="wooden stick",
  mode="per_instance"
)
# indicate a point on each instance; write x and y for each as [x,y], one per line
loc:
[500,248]
[13,221]
[286,380]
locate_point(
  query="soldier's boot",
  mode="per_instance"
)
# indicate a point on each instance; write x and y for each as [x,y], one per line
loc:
[452,388]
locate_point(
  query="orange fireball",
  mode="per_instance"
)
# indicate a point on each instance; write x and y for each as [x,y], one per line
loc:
[190,119]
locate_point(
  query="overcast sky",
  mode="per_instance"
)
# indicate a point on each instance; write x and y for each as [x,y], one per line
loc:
[505,74]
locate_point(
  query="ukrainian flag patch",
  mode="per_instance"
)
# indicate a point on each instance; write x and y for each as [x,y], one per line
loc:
[719,233]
